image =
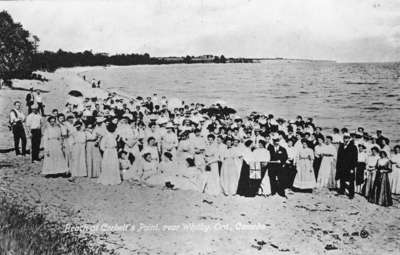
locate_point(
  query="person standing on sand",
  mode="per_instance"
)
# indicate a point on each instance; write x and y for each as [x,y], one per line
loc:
[275,167]
[347,158]
[34,124]
[54,161]
[17,126]
[110,174]
[78,162]
[305,178]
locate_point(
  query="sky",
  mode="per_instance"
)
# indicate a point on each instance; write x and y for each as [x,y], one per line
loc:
[341,30]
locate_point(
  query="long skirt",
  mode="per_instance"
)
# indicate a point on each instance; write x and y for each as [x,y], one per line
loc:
[317,166]
[394,178]
[305,178]
[327,171]
[243,185]
[256,179]
[54,163]
[230,173]
[212,184]
[381,191]
[93,159]
[360,169]
[68,151]
[78,163]
[368,185]
[265,186]
[110,174]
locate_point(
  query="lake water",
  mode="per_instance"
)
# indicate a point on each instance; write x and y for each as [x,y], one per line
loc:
[334,94]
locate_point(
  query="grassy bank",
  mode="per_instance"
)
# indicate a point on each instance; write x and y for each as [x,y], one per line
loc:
[25,231]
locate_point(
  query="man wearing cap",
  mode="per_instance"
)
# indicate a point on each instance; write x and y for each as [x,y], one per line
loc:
[276,166]
[347,158]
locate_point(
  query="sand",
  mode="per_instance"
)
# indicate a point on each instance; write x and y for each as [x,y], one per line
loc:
[136,219]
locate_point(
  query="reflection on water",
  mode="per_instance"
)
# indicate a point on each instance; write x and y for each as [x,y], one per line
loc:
[335,94]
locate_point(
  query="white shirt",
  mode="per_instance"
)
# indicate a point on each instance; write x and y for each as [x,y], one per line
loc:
[33,121]
[16,115]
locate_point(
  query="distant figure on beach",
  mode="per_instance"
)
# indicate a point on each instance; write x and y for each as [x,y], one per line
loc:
[30,100]
[39,102]
[93,83]
[98,83]
[347,158]
[17,119]
[34,124]
[84,77]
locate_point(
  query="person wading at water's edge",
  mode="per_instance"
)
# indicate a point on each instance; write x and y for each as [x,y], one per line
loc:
[347,158]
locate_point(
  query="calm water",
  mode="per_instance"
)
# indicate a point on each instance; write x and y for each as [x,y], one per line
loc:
[335,95]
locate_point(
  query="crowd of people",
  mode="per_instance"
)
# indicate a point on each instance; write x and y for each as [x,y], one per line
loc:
[209,149]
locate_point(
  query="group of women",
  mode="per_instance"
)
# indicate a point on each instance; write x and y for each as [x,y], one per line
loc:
[208,149]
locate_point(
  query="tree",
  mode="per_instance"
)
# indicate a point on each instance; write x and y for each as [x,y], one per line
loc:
[222,59]
[187,59]
[16,49]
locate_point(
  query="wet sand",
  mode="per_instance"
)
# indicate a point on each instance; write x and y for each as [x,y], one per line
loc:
[152,220]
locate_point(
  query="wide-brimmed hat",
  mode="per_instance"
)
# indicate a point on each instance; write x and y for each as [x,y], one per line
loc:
[100,119]
[169,125]
[275,137]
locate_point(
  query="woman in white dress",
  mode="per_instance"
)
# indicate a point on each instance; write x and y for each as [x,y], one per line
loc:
[370,173]
[305,178]
[327,170]
[78,163]
[230,171]
[110,174]
[54,161]
[212,184]
[93,156]
[394,176]
[259,180]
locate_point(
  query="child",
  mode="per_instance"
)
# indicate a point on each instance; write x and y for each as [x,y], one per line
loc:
[124,164]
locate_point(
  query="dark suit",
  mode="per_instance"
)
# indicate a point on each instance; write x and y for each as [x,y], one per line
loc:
[276,171]
[345,167]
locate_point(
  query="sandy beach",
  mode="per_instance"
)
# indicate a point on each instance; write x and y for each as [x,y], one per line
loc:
[137,219]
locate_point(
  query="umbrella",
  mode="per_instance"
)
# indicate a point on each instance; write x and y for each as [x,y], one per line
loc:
[174,103]
[75,93]
[218,111]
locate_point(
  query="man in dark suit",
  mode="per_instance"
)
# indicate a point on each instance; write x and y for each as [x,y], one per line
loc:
[276,169]
[345,167]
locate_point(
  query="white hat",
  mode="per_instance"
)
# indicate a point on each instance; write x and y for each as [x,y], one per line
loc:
[346,135]
[100,119]
[169,125]
[275,136]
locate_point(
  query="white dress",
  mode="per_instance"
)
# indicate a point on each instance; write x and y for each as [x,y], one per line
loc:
[54,160]
[110,173]
[394,176]
[212,184]
[327,170]
[305,178]
[78,163]
[230,171]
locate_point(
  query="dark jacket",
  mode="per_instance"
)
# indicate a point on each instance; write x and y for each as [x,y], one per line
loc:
[281,155]
[346,161]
